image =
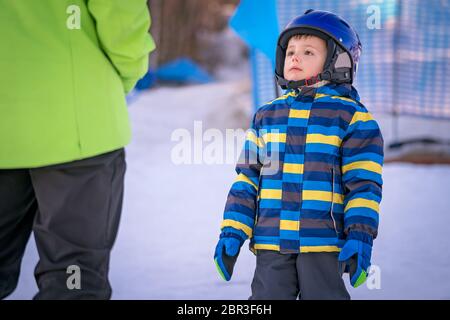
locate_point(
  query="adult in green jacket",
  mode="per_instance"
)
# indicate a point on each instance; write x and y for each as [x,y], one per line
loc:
[65,68]
[62,89]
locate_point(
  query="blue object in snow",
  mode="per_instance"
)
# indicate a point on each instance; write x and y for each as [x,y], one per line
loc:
[256,22]
[146,81]
[183,70]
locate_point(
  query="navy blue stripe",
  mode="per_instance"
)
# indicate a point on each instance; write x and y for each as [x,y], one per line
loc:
[291,206]
[274,120]
[361,220]
[249,212]
[289,244]
[269,213]
[334,105]
[299,149]
[315,214]
[296,131]
[277,176]
[292,187]
[267,231]
[349,152]
[328,122]
[322,233]
[370,188]
[317,176]
[365,134]
[320,157]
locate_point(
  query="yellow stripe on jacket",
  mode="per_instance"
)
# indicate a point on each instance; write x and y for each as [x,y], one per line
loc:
[274,137]
[289,225]
[238,226]
[322,196]
[365,165]
[320,138]
[300,114]
[251,136]
[271,194]
[362,203]
[293,168]
[243,178]
[361,116]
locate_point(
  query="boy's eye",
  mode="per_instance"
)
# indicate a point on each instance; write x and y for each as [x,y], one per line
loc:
[290,53]
[309,53]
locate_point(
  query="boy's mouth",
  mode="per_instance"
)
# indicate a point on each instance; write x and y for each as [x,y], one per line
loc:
[296,69]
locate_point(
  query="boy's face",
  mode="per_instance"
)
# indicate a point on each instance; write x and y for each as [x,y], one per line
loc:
[305,57]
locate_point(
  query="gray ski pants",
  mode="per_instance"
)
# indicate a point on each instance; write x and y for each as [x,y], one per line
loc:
[307,276]
[73,210]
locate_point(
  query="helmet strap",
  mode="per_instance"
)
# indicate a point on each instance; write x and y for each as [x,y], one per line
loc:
[291,84]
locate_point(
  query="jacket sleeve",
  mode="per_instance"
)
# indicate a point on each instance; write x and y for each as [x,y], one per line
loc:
[362,162]
[240,208]
[123,32]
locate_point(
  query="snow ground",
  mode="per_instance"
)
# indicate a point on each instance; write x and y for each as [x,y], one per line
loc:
[171,217]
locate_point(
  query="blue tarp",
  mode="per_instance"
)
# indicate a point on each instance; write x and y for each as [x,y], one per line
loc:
[183,70]
[256,22]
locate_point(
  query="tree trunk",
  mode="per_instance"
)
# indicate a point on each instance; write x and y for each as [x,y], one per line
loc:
[178,26]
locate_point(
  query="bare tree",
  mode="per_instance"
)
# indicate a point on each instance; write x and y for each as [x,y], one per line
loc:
[179,27]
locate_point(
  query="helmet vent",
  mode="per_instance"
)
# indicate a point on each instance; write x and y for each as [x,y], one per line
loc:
[343,61]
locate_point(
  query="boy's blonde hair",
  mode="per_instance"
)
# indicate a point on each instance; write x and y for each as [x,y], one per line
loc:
[306,36]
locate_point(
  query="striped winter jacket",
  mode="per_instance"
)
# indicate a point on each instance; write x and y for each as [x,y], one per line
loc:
[309,172]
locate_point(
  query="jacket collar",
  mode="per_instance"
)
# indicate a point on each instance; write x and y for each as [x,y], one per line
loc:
[343,90]
[332,89]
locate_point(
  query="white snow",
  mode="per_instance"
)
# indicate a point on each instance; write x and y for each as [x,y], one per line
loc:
[171,215]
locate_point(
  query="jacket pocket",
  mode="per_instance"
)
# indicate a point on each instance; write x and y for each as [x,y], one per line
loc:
[258,199]
[332,200]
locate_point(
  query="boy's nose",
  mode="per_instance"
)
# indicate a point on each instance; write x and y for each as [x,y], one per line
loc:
[295,58]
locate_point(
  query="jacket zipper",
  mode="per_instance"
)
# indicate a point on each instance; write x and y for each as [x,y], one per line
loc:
[258,198]
[332,200]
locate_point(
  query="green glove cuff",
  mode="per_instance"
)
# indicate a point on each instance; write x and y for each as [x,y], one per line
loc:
[361,279]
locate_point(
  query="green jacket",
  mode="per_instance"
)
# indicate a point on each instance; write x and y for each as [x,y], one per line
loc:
[62,88]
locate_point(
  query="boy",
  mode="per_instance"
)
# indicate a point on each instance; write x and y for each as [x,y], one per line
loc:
[309,179]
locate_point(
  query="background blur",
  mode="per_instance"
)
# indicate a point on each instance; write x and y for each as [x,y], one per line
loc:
[206,73]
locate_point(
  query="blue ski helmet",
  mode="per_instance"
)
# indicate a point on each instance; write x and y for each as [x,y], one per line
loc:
[343,45]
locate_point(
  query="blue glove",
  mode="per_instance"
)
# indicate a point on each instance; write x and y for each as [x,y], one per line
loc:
[227,251]
[356,254]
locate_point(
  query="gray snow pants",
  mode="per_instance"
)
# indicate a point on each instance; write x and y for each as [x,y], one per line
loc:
[307,276]
[73,210]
